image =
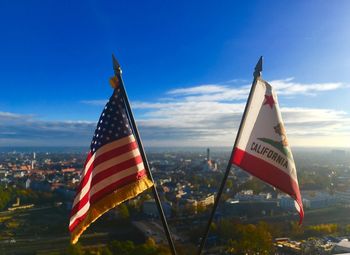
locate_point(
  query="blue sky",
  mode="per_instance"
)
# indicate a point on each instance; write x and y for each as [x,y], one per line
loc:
[187,66]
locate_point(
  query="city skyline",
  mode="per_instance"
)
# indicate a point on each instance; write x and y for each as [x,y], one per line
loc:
[187,69]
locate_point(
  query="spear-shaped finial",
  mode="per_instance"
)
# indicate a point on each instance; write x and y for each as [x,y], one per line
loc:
[115,81]
[116,66]
[258,68]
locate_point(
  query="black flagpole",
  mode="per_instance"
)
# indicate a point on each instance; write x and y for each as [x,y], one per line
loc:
[118,72]
[257,74]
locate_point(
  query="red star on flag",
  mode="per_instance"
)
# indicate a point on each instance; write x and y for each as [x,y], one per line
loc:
[269,100]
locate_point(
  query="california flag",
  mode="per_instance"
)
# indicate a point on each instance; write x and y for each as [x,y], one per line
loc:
[262,147]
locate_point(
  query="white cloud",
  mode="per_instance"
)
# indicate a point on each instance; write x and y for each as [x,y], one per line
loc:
[26,130]
[288,87]
[13,116]
[210,114]
[202,89]
[217,92]
[204,115]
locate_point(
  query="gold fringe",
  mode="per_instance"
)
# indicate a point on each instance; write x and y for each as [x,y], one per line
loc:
[110,201]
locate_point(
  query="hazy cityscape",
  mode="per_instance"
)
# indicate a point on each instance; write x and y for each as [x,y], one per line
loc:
[38,185]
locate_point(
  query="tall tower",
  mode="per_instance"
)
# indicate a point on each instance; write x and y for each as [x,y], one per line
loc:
[34,160]
[208,154]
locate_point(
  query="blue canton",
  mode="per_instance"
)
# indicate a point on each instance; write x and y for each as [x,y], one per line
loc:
[113,123]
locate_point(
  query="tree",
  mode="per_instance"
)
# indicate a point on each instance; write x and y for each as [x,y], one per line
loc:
[4,198]
[75,249]
[250,240]
[148,248]
[104,251]
[122,248]
[123,212]
[322,229]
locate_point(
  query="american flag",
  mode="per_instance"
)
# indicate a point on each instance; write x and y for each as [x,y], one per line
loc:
[113,171]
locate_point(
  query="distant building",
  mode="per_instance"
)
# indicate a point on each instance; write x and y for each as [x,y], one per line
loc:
[150,208]
[251,208]
[338,152]
[40,185]
[248,195]
[343,196]
[3,173]
[206,201]
[27,184]
[208,164]
[342,246]
[319,199]
[191,204]
[312,200]
[33,161]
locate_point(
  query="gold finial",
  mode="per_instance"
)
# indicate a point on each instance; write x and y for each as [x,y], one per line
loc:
[114,81]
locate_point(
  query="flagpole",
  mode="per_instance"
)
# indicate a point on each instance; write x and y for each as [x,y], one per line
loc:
[257,74]
[118,72]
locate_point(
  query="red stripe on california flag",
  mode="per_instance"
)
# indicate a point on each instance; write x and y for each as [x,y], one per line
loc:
[104,157]
[118,184]
[268,173]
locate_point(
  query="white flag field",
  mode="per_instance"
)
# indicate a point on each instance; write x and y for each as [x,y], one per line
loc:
[262,147]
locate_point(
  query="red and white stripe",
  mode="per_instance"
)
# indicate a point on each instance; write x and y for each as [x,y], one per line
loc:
[112,166]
